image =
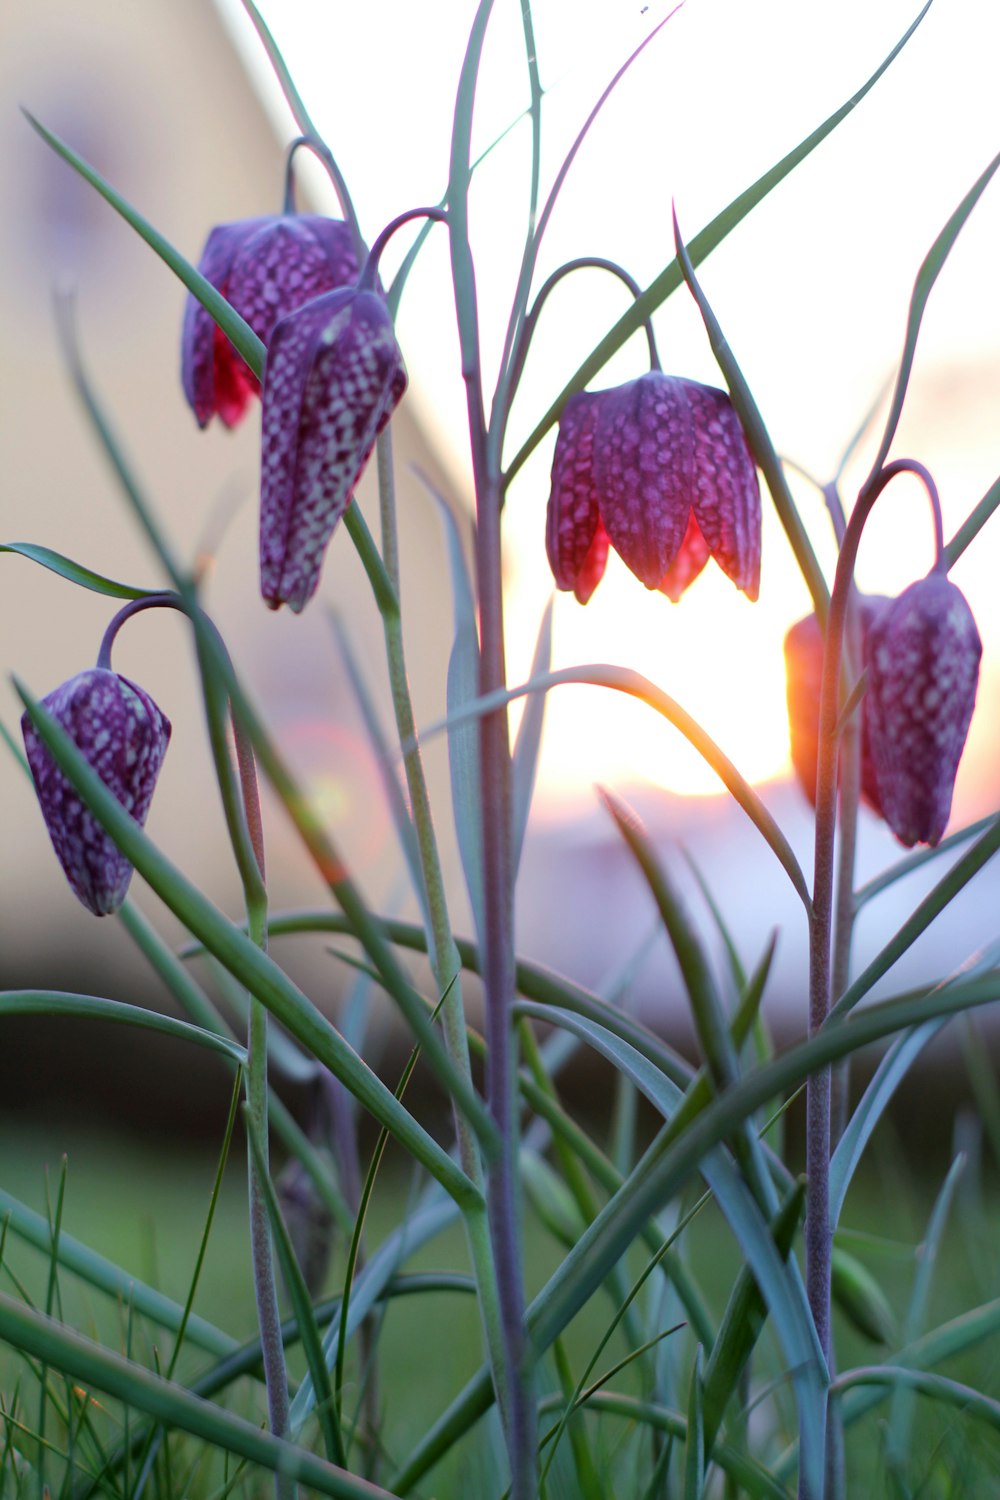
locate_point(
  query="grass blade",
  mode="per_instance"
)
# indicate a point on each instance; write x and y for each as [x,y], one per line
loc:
[529,737]
[239,333]
[172,1404]
[75,572]
[702,245]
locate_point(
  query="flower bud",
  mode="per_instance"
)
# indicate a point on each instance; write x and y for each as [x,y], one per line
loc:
[333,377]
[265,268]
[123,736]
[922,655]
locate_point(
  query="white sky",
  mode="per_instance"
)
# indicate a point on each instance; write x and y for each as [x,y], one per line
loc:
[812,292]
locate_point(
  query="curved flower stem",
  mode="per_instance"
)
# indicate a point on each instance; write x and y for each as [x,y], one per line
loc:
[288,205]
[304,121]
[520,351]
[241,804]
[818,1235]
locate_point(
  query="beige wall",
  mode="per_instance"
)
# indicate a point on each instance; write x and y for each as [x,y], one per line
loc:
[154,96]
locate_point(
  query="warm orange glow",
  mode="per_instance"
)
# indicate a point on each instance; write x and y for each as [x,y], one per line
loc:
[718,655]
[341,781]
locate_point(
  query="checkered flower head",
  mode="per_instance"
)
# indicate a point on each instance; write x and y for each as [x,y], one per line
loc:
[265,268]
[123,736]
[922,655]
[333,378]
[659,469]
[804,678]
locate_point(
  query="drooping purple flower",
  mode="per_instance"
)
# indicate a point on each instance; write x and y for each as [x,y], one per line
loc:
[265,268]
[660,469]
[333,377]
[123,736]
[804,681]
[922,655]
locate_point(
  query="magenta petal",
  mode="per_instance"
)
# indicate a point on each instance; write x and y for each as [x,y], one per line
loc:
[198,338]
[265,268]
[333,376]
[689,562]
[288,261]
[804,674]
[644,471]
[123,736]
[573,517]
[726,496]
[922,654]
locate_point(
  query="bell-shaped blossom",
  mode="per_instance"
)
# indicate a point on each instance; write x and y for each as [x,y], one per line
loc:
[922,655]
[659,469]
[123,736]
[333,377]
[804,681]
[265,268]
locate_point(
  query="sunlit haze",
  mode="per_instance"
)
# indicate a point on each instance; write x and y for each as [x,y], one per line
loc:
[812,291]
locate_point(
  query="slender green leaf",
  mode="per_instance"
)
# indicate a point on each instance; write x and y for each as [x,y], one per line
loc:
[742,1322]
[860,1298]
[926,277]
[781,1292]
[759,439]
[298,1295]
[634,685]
[930,907]
[889,1074]
[244,959]
[918,859]
[529,737]
[239,333]
[973,525]
[435,1213]
[950,1392]
[462,688]
[75,572]
[694,1454]
[702,245]
[751,1476]
[138,1387]
[95,1007]
[901,1411]
[384,759]
[106,1276]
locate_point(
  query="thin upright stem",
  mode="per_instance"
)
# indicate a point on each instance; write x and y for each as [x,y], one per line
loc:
[514,1381]
[818,1233]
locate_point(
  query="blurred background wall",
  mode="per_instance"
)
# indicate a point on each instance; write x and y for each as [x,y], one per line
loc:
[156,98]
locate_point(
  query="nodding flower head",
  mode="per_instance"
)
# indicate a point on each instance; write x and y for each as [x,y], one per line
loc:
[804,680]
[333,377]
[123,737]
[265,268]
[659,469]
[922,653]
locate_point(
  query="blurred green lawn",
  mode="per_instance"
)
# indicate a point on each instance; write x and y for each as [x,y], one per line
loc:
[143,1203]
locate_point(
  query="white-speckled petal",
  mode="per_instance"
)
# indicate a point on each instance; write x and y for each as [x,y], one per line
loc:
[575,539]
[334,374]
[922,654]
[123,736]
[644,471]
